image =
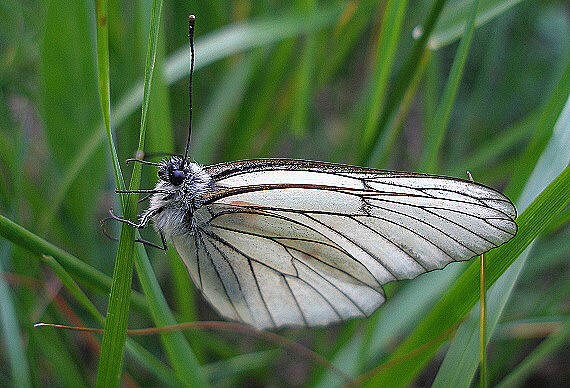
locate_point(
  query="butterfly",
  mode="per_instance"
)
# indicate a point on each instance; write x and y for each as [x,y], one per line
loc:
[282,242]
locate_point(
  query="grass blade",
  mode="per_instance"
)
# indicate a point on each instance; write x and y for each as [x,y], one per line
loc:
[556,341]
[403,81]
[499,145]
[133,349]
[460,363]
[384,143]
[455,16]
[177,348]
[224,101]
[241,37]
[435,133]
[114,336]
[482,325]
[85,273]
[542,133]
[10,331]
[385,55]
[305,75]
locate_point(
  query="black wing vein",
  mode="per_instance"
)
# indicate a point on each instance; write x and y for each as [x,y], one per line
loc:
[331,245]
[228,297]
[428,225]
[250,260]
[286,248]
[397,245]
[295,299]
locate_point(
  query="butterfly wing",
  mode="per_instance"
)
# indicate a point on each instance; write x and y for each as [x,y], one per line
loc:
[295,243]
[269,270]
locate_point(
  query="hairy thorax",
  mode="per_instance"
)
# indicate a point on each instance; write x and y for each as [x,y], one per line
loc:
[173,205]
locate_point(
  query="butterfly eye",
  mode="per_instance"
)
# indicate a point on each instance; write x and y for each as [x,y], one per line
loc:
[176,177]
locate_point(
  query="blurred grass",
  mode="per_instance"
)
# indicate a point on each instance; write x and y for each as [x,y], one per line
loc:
[281,80]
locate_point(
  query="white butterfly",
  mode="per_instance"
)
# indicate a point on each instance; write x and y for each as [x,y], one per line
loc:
[282,242]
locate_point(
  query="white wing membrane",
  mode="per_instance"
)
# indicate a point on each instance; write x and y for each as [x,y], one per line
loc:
[295,243]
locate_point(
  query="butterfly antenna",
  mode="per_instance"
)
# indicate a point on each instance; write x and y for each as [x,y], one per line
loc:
[191,21]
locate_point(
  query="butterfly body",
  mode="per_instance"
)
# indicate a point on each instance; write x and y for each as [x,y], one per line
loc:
[283,242]
[179,192]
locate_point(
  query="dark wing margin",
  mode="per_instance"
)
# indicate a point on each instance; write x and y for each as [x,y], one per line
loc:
[223,170]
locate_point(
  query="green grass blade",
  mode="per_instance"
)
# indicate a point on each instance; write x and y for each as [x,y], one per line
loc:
[455,15]
[346,359]
[397,316]
[557,340]
[225,100]
[134,350]
[384,143]
[403,81]
[177,348]
[231,367]
[164,374]
[69,283]
[498,146]
[561,220]
[462,358]
[542,133]
[104,84]
[460,298]
[183,289]
[51,344]
[270,79]
[160,136]
[435,133]
[114,336]
[241,37]
[305,75]
[483,333]
[350,27]
[9,327]
[69,103]
[88,275]
[11,334]
[385,55]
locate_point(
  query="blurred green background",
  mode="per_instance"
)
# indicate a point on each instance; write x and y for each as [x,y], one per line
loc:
[340,81]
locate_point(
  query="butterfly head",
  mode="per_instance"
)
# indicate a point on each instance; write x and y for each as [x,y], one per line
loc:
[174,170]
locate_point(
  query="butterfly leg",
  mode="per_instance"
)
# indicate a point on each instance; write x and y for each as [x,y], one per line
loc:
[144,219]
[104,231]
[151,244]
[142,224]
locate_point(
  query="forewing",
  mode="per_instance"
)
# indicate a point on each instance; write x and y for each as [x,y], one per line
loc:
[285,242]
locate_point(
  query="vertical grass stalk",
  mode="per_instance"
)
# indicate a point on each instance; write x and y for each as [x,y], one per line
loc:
[482,324]
[114,337]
